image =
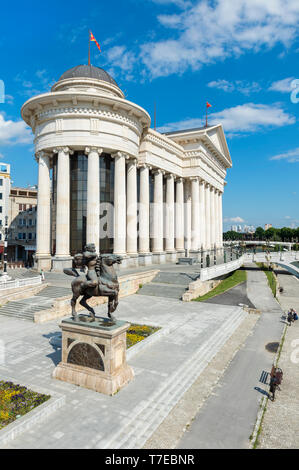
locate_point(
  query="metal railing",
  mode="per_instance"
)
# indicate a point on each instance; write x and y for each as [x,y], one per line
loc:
[17,283]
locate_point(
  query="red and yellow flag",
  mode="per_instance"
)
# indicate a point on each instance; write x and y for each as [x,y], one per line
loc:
[92,38]
[209,105]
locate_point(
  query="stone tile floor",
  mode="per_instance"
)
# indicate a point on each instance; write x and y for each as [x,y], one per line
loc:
[90,419]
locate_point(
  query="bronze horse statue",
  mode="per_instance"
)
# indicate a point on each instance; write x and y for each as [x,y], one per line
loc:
[100,280]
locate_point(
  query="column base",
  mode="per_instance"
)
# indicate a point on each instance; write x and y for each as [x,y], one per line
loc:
[159,258]
[171,256]
[125,261]
[133,260]
[43,262]
[60,263]
[145,259]
[194,254]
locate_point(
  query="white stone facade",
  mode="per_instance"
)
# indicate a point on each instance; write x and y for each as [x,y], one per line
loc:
[183,212]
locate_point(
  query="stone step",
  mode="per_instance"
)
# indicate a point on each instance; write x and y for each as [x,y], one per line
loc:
[182,279]
[154,414]
[54,292]
[162,290]
[153,411]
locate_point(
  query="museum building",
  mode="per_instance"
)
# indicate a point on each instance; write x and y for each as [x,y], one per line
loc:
[104,176]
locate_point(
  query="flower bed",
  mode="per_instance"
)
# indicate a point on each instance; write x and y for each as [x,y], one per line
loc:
[137,333]
[16,401]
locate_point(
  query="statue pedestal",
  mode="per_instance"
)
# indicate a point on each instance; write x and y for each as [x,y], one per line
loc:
[94,354]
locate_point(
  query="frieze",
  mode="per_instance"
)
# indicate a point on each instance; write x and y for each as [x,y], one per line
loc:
[80,110]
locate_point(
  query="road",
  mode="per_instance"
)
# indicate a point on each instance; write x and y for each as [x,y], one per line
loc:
[227,418]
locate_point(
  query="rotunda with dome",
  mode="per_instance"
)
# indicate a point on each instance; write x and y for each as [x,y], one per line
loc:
[104,176]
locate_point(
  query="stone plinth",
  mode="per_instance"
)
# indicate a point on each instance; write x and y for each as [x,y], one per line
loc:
[94,355]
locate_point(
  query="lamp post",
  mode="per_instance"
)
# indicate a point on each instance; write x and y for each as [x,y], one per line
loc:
[201,257]
[215,259]
[4,276]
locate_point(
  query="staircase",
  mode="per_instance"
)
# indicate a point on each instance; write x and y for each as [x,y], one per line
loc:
[26,308]
[168,284]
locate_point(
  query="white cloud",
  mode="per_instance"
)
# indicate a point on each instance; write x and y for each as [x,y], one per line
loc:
[283,86]
[14,132]
[238,85]
[251,117]
[292,156]
[244,118]
[208,31]
[234,219]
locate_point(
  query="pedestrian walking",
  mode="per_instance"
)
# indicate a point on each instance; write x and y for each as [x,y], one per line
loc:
[290,317]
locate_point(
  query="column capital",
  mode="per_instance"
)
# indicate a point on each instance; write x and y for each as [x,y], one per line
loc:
[144,166]
[99,150]
[132,161]
[179,179]
[169,176]
[41,153]
[158,171]
[202,182]
[63,149]
[194,178]
[120,155]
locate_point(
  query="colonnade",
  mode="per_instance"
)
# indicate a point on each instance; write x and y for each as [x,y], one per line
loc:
[189,217]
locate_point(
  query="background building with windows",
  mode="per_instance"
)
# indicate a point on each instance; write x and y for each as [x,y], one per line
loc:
[105,176]
[22,209]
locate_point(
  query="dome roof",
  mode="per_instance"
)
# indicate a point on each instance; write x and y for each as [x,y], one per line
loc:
[88,71]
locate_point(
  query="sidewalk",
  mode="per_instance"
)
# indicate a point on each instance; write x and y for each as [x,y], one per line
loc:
[227,418]
[192,334]
[280,426]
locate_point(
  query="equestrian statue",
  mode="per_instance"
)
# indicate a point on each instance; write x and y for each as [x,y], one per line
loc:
[99,280]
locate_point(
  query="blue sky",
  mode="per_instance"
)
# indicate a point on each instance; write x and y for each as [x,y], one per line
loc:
[240,56]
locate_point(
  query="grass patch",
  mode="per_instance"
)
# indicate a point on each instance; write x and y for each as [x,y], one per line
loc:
[137,333]
[16,401]
[270,276]
[231,281]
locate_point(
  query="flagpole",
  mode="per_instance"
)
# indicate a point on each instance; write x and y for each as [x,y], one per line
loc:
[206,116]
[155,116]
[89,47]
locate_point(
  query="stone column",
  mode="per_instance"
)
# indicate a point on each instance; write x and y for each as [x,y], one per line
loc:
[119,204]
[202,214]
[93,197]
[208,216]
[220,219]
[179,216]
[145,256]
[169,219]
[187,217]
[212,217]
[62,255]
[158,253]
[194,215]
[43,225]
[217,220]
[132,211]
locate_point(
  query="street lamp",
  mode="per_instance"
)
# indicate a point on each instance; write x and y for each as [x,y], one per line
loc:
[4,277]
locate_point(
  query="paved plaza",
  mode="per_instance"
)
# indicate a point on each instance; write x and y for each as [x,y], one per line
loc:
[192,334]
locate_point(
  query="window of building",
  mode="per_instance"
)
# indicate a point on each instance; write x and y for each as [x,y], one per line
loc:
[1,182]
[0,209]
[24,236]
[0,236]
[19,236]
[30,236]
[1,195]
[30,222]
[20,207]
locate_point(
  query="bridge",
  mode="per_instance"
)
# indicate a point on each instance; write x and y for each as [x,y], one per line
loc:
[259,242]
[283,259]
